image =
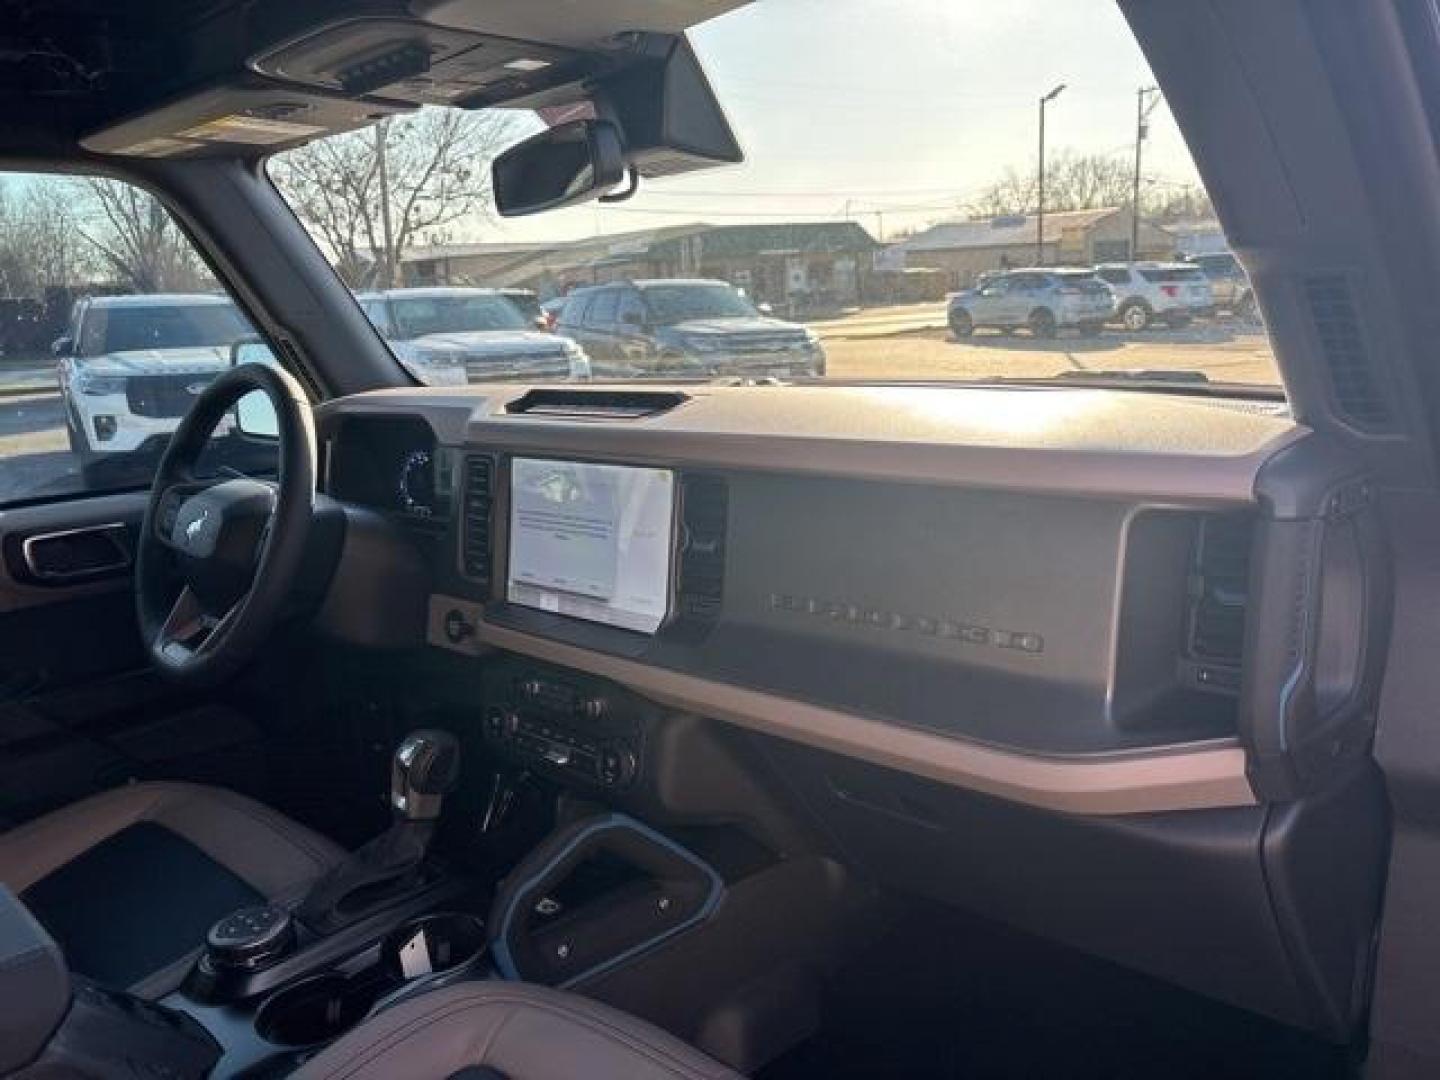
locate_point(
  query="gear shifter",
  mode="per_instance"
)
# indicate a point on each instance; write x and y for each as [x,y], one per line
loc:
[423,771]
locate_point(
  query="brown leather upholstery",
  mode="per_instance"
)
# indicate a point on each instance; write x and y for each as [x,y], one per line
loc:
[523,1032]
[276,857]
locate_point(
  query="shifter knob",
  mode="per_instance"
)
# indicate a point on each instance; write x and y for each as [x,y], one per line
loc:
[424,770]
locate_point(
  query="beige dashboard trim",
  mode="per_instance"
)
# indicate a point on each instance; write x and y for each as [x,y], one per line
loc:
[1184,779]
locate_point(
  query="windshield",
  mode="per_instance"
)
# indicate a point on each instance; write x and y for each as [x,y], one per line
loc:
[418,316]
[894,163]
[180,326]
[671,304]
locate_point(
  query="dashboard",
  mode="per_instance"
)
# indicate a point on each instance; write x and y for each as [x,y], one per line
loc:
[1101,664]
[1048,595]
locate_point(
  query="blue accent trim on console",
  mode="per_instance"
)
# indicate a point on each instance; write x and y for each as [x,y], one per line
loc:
[500,947]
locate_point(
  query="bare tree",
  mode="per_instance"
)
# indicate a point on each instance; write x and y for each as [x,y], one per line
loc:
[1176,202]
[1072,182]
[138,242]
[39,243]
[367,196]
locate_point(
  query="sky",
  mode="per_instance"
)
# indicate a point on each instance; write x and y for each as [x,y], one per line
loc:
[894,112]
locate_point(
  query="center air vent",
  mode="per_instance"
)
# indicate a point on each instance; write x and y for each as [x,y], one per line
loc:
[595,404]
[476,517]
[704,512]
[1219,592]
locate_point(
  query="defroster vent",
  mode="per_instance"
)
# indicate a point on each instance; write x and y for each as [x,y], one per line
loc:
[1355,385]
[476,523]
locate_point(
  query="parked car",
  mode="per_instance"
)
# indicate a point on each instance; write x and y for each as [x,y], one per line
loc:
[1145,292]
[528,301]
[551,309]
[1042,300]
[131,366]
[452,336]
[686,327]
[1228,282]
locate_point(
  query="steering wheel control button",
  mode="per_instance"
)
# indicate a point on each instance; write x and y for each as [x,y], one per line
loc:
[250,938]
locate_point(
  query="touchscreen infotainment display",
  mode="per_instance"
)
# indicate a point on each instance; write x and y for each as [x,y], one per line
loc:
[591,541]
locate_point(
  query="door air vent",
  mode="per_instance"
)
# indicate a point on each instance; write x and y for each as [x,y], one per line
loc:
[1219,593]
[476,517]
[595,404]
[700,586]
[1359,397]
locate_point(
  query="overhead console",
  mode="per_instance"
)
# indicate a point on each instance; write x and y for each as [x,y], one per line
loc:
[1091,601]
[277,74]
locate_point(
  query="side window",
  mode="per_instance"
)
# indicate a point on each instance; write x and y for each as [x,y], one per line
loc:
[632,310]
[111,325]
[1115,275]
[603,308]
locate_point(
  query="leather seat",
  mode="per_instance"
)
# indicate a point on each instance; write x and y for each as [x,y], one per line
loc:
[128,881]
[508,1031]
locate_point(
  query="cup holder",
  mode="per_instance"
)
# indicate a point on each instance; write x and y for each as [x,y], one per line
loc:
[418,955]
[317,1010]
[444,944]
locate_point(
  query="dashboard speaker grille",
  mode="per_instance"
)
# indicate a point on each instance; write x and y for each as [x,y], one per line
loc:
[1220,590]
[704,509]
[476,517]
[1358,395]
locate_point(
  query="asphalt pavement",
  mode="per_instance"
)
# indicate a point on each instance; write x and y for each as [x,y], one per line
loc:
[35,458]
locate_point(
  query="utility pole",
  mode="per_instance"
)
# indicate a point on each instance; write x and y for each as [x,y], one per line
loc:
[387,227]
[1040,180]
[1143,108]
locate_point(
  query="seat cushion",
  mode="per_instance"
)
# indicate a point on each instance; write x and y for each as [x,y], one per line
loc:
[128,881]
[519,1031]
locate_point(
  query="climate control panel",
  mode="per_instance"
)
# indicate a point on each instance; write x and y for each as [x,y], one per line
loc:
[567,726]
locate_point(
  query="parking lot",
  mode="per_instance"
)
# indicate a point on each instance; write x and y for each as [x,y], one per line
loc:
[912,343]
[892,343]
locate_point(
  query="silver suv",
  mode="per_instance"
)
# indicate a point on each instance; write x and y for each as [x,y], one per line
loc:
[1172,293]
[1228,282]
[1042,300]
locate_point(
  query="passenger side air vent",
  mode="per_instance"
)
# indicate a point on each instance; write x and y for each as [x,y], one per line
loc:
[1219,592]
[476,517]
[704,514]
[1359,396]
[595,404]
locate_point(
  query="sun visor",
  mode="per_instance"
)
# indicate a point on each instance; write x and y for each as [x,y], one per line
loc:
[251,115]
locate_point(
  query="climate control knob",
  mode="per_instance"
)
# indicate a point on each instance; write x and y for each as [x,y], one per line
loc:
[617,766]
[501,723]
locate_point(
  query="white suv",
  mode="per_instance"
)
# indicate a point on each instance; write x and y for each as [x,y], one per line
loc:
[131,366]
[1173,293]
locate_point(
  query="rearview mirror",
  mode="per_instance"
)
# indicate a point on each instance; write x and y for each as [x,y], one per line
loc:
[62,346]
[570,163]
[255,413]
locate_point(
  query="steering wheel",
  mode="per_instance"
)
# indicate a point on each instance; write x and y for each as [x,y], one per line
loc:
[234,544]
